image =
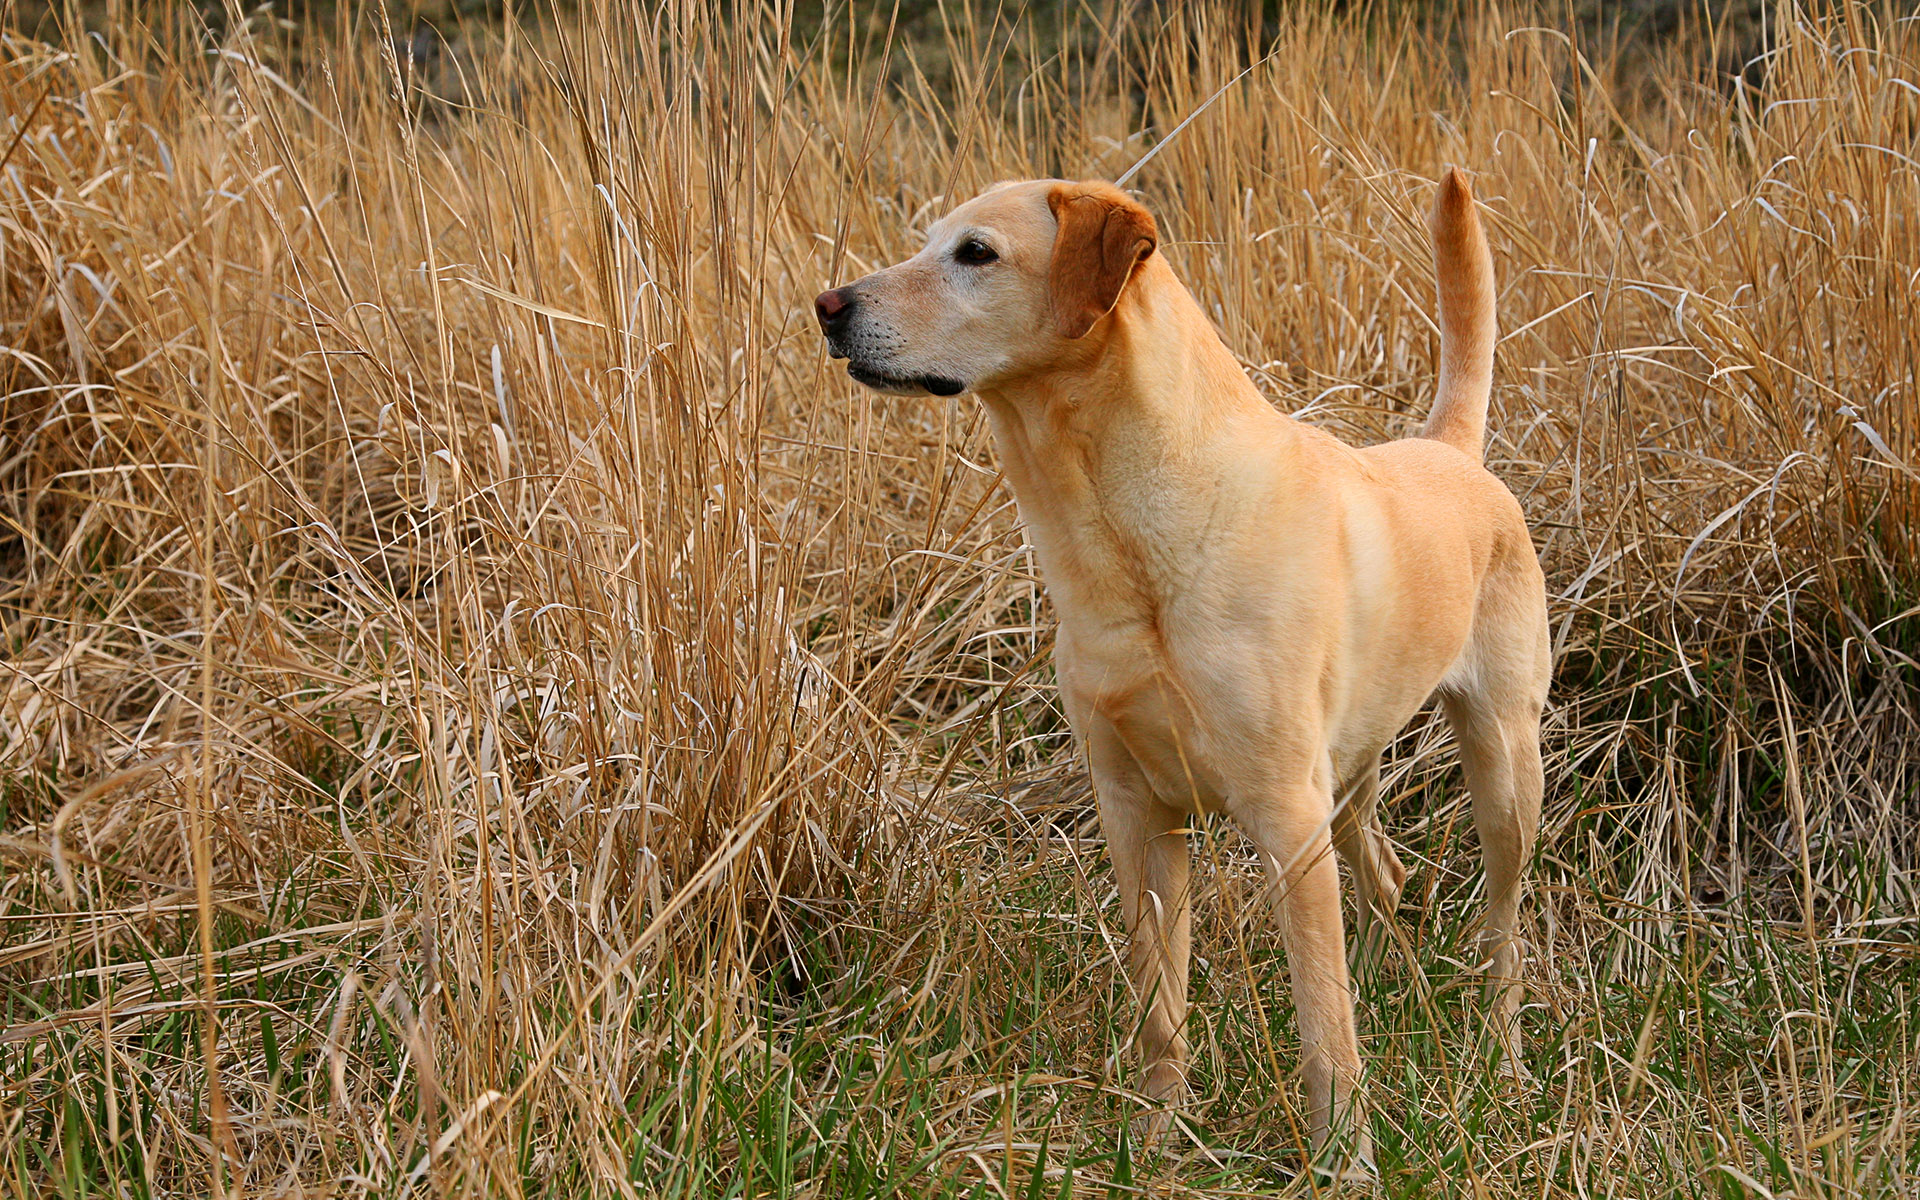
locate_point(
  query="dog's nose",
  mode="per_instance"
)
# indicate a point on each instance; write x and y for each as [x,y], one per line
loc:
[834,308]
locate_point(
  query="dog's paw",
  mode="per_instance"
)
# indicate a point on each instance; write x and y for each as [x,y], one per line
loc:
[1153,1133]
[1508,1063]
[1511,1068]
[1346,1161]
[1355,1171]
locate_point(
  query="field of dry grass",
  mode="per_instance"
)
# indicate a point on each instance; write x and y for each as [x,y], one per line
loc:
[489,708]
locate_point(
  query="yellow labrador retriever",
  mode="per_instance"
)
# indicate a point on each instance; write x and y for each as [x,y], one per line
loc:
[1249,609]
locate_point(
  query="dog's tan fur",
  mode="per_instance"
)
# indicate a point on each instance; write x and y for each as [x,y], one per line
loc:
[1249,609]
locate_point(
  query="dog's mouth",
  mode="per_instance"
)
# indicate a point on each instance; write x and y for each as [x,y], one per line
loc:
[912,385]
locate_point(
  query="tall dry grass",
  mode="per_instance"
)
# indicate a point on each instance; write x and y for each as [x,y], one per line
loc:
[489,707]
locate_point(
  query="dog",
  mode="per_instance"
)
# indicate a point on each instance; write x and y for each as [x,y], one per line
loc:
[1249,609]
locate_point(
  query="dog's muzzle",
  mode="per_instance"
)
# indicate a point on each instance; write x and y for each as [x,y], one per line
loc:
[835,311]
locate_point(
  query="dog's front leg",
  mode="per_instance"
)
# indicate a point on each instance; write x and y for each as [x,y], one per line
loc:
[1148,844]
[1292,825]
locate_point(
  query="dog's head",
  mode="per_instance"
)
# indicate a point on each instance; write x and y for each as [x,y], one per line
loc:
[1009,284]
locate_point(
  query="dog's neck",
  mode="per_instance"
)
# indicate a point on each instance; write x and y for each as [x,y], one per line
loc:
[1118,458]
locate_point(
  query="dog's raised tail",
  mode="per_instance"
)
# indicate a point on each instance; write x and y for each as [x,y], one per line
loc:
[1464,268]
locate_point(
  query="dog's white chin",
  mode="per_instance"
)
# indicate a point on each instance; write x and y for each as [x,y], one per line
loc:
[885,385]
[896,385]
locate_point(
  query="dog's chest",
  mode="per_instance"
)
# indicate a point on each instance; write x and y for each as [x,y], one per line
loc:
[1158,691]
[1143,604]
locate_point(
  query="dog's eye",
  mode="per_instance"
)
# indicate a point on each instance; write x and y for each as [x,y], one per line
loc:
[975,251]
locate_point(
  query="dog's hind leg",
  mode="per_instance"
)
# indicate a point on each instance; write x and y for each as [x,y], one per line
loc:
[1500,751]
[1378,875]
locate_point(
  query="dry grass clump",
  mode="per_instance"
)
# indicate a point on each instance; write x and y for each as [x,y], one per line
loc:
[490,707]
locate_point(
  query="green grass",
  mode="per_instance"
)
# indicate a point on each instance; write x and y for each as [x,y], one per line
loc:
[853,1088]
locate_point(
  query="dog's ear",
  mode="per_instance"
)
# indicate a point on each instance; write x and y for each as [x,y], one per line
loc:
[1103,238]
